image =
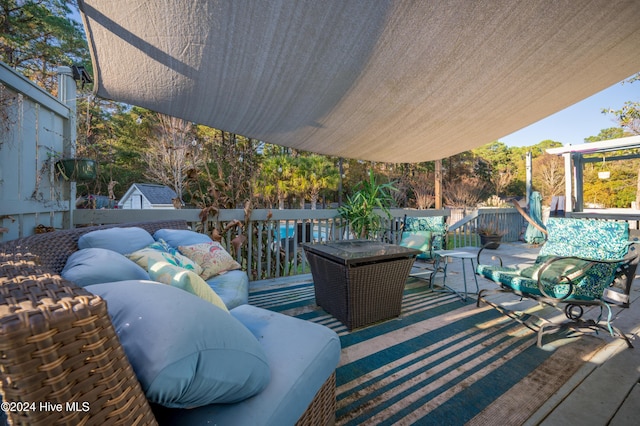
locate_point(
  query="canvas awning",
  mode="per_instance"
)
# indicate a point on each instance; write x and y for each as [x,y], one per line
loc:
[393,81]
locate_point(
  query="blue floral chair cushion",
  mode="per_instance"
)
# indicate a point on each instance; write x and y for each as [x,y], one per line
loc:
[569,239]
[434,224]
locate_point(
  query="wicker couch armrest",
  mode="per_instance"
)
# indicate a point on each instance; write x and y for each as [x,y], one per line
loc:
[59,348]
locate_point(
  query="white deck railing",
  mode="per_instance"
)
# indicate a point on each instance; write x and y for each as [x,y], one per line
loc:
[274,238]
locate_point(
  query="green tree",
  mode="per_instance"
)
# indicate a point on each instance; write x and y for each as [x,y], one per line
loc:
[606,134]
[231,164]
[319,172]
[628,116]
[37,36]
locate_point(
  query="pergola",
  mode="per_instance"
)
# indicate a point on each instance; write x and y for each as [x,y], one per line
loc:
[574,162]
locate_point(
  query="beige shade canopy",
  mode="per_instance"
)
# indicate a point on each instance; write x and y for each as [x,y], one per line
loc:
[392,81]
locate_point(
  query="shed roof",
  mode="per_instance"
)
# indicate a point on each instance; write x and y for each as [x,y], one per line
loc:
[155,194]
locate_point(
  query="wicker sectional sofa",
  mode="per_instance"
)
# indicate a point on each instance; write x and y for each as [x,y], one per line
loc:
[65,356]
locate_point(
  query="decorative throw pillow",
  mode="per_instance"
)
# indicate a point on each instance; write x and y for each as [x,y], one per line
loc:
[185,352]
[175,276]
[122,240]
[156,253]
[97,265]
[181,237]
[212,258]
[419,240]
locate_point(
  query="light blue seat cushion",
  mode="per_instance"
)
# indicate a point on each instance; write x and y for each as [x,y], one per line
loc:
[301,354]
[185,351]
[232,287]
[122,240]
[181,237]
[98,265]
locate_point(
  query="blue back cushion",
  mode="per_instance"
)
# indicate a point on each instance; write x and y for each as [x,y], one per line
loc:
[593,239]
[435,224]
[185,351]
[122,240]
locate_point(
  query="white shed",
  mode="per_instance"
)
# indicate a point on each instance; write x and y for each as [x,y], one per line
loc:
[148,196]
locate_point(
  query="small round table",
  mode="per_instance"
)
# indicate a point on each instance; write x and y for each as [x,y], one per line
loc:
[456,254]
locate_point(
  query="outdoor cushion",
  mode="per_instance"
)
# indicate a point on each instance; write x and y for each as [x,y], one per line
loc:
[181,237]
[156,252]
[212,258]
[569,267]
[122,240]
[435,224]
[569,238]
[419,240]
[185,352]
[232,287]
[97,265]
[591,239]
[184,279]
[302,355]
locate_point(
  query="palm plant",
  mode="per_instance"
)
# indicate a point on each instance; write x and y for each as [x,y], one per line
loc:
[360,209]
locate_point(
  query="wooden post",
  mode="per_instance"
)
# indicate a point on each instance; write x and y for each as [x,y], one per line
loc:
[438,193]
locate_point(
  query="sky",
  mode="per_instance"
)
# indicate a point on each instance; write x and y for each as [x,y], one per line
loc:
[579,121]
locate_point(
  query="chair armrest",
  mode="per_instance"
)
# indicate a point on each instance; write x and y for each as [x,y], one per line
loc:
[493,257]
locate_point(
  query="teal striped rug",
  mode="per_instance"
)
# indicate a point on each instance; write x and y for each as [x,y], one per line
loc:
[442,362]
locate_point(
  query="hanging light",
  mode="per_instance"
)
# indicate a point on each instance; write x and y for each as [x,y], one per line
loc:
[605,174]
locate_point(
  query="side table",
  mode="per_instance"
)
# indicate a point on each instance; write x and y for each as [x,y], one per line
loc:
[456,254]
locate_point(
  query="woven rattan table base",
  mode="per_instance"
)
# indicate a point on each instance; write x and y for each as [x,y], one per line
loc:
[362,294]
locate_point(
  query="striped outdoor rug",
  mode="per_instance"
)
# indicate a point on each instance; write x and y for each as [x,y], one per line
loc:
[442,362]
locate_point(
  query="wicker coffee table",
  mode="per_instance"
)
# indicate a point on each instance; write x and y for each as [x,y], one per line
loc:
[359,282]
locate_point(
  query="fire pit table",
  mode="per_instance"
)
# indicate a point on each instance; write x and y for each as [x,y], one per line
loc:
[359,282]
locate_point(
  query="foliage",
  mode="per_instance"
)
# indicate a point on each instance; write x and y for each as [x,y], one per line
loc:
[360,207]
[37,36]
[231,163]
[490,228]
[423,187]
[172,153]
[465,192]
[315,173]
[628,116]
[606,134]
[548,178]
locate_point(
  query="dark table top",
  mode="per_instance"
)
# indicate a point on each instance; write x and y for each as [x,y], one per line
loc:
[358,251]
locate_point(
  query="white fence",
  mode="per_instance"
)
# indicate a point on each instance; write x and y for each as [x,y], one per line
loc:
[36,129]
[274,238]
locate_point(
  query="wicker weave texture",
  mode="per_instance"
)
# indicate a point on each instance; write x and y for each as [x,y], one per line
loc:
[362,294]
[60,359]
[322,410]
[53,248]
